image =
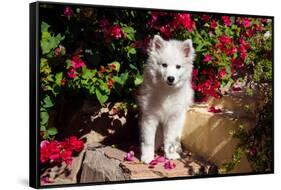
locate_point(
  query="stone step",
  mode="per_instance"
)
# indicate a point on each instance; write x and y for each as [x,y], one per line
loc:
[208,134]
[107,164]
[236,101]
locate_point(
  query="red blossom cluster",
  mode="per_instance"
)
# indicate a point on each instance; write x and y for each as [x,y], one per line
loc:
[57,152]
[76,63]
[110,31]
[176,21]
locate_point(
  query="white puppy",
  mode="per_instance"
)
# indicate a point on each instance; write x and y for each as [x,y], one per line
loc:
[165,95]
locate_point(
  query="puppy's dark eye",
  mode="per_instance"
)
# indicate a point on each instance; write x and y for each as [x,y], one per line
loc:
[178,66]
[164,65]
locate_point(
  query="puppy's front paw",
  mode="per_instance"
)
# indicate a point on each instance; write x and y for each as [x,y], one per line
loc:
[173,156]
[147,158]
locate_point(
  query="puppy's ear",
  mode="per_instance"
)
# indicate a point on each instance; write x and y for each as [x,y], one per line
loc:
[157,42]
[188,49]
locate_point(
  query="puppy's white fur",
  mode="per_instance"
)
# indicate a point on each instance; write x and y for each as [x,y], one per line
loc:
[164,102]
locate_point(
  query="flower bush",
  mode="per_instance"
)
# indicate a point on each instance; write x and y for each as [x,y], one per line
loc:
[100,53]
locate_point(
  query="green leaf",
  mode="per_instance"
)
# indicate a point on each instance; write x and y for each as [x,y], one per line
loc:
[47,102]
[44,117]
[52,131]
[68,63]
[86,74]
[101,98]
[129,31]
[133,67]
[121,79]
[58,78]
[44,27]
[138,80]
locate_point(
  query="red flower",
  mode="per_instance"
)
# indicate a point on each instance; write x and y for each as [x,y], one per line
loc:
[55,151]
[116,32]
[71,72]
[214,110]
[246,22]
[102,69]
[226,20]
[110,83]
[77,62]
[166,31]
[213,24]
[75,143]
[66,156]
[194,72]
[63,82]
[224,39]
[184,20]
[222,73]
[68,12]
[207,58]
[206,18]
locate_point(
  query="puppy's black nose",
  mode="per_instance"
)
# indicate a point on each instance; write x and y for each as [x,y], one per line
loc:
[171,79]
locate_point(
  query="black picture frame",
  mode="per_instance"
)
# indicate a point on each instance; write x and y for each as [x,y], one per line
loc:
[34,94]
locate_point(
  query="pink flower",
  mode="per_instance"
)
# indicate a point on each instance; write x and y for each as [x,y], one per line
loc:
[166,31]
[116,32]
[68,12]
[44,143]
[77,62]
[246,22]
[207,58]
[153,163]
[129,156]
[226,20]
[60,50]
[45,180]
[160,159]
[169,165]
[214,110]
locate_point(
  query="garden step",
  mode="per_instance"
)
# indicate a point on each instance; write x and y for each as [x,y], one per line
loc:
[236,101]
[107,164]
[208,134]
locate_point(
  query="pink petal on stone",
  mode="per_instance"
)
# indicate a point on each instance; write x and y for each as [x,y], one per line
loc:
[129,156]
[169,165]
[160,159]
[153,162]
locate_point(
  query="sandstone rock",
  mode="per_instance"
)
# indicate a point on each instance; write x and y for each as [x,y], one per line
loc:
[99,168]
[208,134]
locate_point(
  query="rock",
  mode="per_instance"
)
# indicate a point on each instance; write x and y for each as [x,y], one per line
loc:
[208,134]
[99,168]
